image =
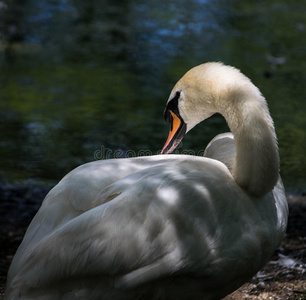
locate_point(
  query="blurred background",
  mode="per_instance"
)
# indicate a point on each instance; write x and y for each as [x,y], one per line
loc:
[82,79]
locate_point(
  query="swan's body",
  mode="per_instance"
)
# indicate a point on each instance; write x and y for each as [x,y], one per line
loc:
[164,227]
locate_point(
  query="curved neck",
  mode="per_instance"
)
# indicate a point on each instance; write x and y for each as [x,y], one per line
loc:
[256,166]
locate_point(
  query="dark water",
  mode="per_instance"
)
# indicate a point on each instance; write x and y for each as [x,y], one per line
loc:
[86,80]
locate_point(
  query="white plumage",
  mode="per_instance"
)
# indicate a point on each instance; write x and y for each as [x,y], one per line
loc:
[165,226]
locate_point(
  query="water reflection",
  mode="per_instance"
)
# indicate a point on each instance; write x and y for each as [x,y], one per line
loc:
[78,75]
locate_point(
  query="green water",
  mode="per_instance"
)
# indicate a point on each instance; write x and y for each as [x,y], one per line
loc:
[86,80]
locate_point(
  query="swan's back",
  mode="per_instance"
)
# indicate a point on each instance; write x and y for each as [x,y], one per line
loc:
[145,234]
[222,148]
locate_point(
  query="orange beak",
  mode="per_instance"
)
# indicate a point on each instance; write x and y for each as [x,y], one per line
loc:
[176,134]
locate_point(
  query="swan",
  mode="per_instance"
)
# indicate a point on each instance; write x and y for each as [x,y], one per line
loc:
[164,226]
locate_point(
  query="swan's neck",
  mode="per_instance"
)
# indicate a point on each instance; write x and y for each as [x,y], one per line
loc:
[256,166]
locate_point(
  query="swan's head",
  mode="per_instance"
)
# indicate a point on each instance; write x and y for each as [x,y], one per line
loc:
[201,92]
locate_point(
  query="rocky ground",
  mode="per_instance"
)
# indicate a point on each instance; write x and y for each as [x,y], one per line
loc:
[282,278]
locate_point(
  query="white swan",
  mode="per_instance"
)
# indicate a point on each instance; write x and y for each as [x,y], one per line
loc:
[166,226]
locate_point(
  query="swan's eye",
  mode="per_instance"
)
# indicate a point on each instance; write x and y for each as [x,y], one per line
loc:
[173,106]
